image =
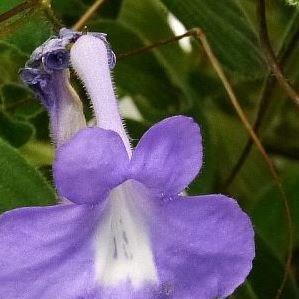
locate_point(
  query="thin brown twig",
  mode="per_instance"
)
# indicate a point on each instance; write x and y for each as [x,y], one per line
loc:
[216,65]
[262,150]
[214,61]
[200,36]
[263,107]
[270,56]
[264,103]
[88,15]
[17,9]
[155,45]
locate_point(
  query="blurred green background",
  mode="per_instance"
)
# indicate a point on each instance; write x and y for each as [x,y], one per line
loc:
[173,79]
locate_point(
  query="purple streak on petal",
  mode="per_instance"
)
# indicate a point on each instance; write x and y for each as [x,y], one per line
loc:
[46,252]
[90,60]
[168,156]
[52,55]
[90,165]
[56,60]
[41,83]
[59,98]
[203,245]
[55,56]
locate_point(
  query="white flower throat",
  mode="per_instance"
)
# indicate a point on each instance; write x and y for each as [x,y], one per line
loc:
[122,245]
[123,249]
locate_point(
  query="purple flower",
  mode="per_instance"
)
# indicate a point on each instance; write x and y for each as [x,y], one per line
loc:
[125,231]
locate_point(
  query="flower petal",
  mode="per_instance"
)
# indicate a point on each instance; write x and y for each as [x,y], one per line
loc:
[45,253]
[168,156]
[90,165]
[203,246]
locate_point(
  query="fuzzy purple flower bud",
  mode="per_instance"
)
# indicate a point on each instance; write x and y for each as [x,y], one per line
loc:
[47,74]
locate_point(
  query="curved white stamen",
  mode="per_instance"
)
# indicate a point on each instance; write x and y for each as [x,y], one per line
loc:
[122,245]
[90,60]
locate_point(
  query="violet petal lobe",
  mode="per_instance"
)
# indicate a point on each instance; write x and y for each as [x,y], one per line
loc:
[203,246]
[168,156]
[45,252]
[88,166]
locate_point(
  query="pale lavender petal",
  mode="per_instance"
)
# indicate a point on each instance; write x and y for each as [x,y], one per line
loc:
[184,247]
[168,156]
[203,246]
[49,252]
[46,252]
[90,165]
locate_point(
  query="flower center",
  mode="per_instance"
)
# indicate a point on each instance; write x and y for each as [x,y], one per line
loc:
[123,249]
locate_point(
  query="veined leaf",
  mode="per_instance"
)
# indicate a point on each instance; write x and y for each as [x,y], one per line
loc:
[14,131]
[19,101]
[269,214]
[138,15]
[11,60]
[227,29]
[20,183]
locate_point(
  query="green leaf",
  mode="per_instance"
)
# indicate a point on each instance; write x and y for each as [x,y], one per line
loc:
[28,27]
[138,15]
[12,60]
[136,130]
[227,29]
[39,154]
[267,273]
[265,277]
[31,33]
[41,125]
[269,214]
[6,5]
[70,11]
[21,184]
[15,132]
[230,137]
[19,101]
[244,292]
